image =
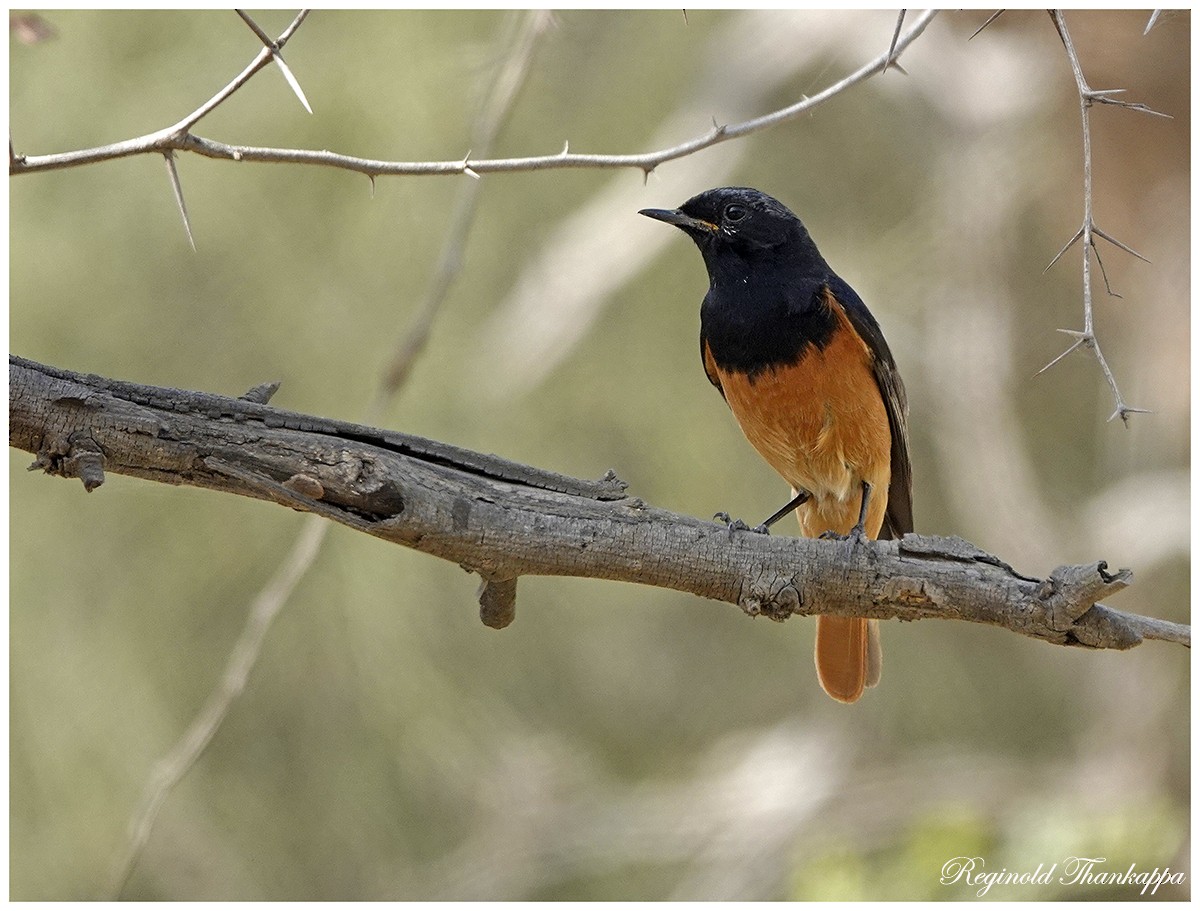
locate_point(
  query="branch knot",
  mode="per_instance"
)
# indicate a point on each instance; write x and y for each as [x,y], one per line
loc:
[778,600]
[1070,592]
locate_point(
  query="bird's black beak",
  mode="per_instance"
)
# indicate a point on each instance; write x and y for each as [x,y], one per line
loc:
[680,220]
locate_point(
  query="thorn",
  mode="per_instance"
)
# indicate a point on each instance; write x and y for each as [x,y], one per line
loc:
[1146,110]
[1061,356]
[1149,25]
[1083,337]
[1124,411]
[1104,96]
[685,22]
[1103,272]
[891,55]
[990,19]
[291,80]
[1116,243]
[1074,240]
[371,177]
[169,155]
[566,148]
[277,57]
[466,168]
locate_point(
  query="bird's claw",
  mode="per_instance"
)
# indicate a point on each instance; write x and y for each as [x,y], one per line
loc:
[856,537]
[857,534]
[738,525]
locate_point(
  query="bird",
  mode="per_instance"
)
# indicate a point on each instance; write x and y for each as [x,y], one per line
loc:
[805,369]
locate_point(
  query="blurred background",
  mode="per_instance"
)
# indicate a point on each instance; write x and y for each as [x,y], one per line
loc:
[616,742]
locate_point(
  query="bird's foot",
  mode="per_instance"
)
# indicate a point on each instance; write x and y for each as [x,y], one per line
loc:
[856,537]
[738,525]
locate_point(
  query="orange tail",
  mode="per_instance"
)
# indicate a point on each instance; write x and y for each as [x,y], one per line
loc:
[848,655]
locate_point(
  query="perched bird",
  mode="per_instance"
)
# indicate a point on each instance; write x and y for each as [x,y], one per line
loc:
[806,372]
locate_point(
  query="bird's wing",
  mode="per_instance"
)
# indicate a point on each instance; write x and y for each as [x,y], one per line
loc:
[710,366]
[899,519]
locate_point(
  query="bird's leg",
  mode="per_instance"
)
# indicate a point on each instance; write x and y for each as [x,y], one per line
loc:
[801,497]
[858,533]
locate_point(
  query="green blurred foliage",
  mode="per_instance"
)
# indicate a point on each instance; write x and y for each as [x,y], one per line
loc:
[615,742]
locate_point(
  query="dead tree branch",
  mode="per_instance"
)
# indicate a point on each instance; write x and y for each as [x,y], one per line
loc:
[504,520]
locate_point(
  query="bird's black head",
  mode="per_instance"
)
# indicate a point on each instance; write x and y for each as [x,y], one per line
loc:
[738,223]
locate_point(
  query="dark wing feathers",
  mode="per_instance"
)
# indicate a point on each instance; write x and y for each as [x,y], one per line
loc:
[710,366]
[898,520]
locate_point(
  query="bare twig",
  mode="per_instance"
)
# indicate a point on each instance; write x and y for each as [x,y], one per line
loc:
[171,769]
[172,138]
[1089,230]
[180,138]
[504,90]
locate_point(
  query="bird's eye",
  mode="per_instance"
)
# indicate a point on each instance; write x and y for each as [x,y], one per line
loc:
[735,212]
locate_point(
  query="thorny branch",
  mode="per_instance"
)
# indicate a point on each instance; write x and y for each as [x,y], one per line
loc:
[165,141]
[1089,230]
[180,138]
[171,138]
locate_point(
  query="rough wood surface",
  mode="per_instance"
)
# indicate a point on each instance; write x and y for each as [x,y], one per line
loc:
[505,520]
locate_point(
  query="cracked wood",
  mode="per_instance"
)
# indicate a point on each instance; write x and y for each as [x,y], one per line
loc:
[505,520]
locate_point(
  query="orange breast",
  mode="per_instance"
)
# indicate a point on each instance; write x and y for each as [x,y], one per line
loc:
[820,423]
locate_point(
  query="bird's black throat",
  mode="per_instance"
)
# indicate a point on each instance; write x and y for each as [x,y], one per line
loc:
[758,316]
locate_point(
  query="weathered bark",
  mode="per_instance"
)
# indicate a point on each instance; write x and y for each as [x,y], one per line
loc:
[505,520]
